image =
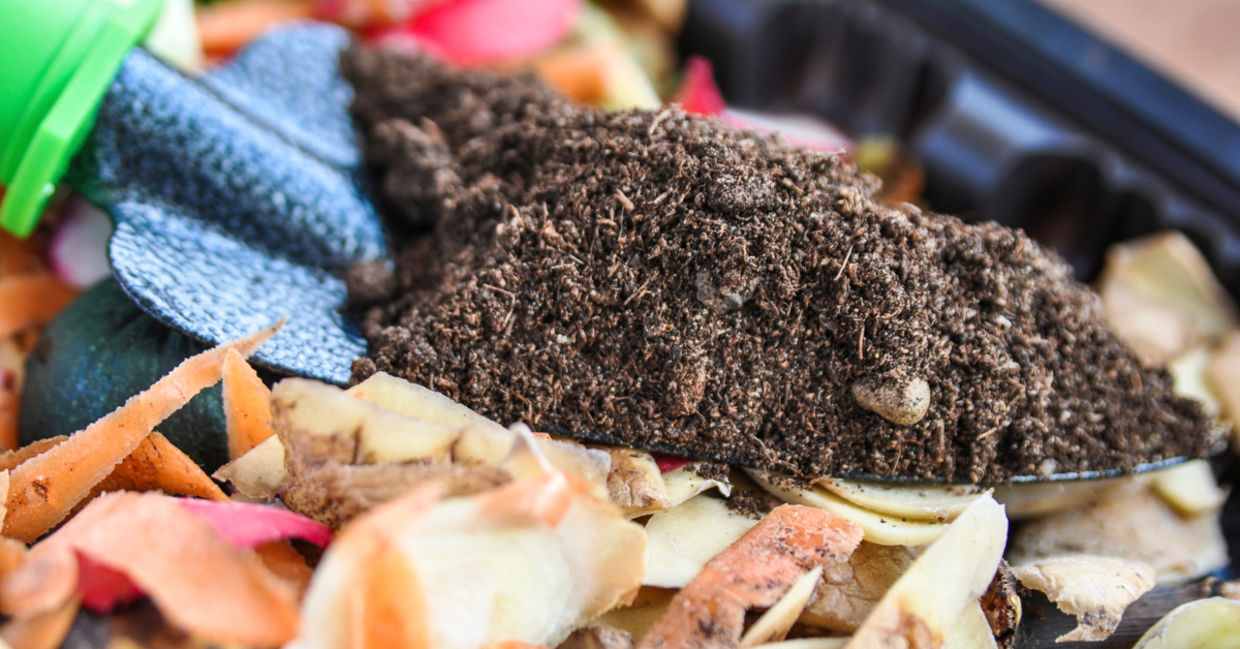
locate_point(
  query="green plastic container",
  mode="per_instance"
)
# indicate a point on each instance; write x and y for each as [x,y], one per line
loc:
[60,56]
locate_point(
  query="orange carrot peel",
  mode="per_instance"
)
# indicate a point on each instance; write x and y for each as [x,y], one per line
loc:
[158,465]
[754,571]
[224,594]
[247,406]
[31,300]
[45,488]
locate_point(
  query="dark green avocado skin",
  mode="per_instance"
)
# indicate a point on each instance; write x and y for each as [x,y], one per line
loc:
[101,350]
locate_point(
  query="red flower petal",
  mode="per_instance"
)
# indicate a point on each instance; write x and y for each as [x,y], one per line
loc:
[103,588]
[670,462]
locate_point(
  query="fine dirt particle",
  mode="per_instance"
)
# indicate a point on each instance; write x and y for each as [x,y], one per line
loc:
[753,502]
[665,282]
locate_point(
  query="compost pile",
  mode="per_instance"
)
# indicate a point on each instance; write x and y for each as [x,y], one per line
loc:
[666,282]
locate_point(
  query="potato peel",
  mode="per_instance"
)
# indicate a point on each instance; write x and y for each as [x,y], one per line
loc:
[884,529]
[1212,623]
[849,591]
[635,482]
[686,537]
[1134,523]
[775,623]
[929,503]
[528,561]
[1096,590]
[923,605]
[971,631]
[259,473]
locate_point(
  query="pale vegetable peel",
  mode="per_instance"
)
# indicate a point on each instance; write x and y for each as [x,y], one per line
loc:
[1131,522]
[1212,623]
[929,503]
[971,631]
[1190,488]
[344,455]
[686,482]
[259,473]
[922,606]
[779,619]
[528,561]
[1160,297]
[884,529]
[1096,590]
[683,539]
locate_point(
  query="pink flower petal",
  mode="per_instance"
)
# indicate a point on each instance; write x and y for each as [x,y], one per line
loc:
[799,130]
[482,31]
[78,253]
[247,526]
[698,92]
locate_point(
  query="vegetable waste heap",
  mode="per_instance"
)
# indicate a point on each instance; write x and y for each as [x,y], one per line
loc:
[665,282]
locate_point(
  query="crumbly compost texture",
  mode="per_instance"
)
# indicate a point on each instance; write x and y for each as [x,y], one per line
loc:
[663,281]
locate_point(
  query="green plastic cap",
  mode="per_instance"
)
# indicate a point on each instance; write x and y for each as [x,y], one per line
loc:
[60,56]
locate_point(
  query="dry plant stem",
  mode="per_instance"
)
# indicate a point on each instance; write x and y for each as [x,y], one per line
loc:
[45,488]
[247,406]
[31,300]
[754,571]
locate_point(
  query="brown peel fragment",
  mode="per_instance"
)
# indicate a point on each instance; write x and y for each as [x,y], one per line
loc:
[1002,607]
[849,591]
[635,482]
[598,637]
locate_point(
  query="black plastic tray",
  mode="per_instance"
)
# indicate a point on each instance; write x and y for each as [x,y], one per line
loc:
[1016,114]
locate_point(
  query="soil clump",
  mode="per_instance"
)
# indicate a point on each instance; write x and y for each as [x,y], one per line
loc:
[666,282]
